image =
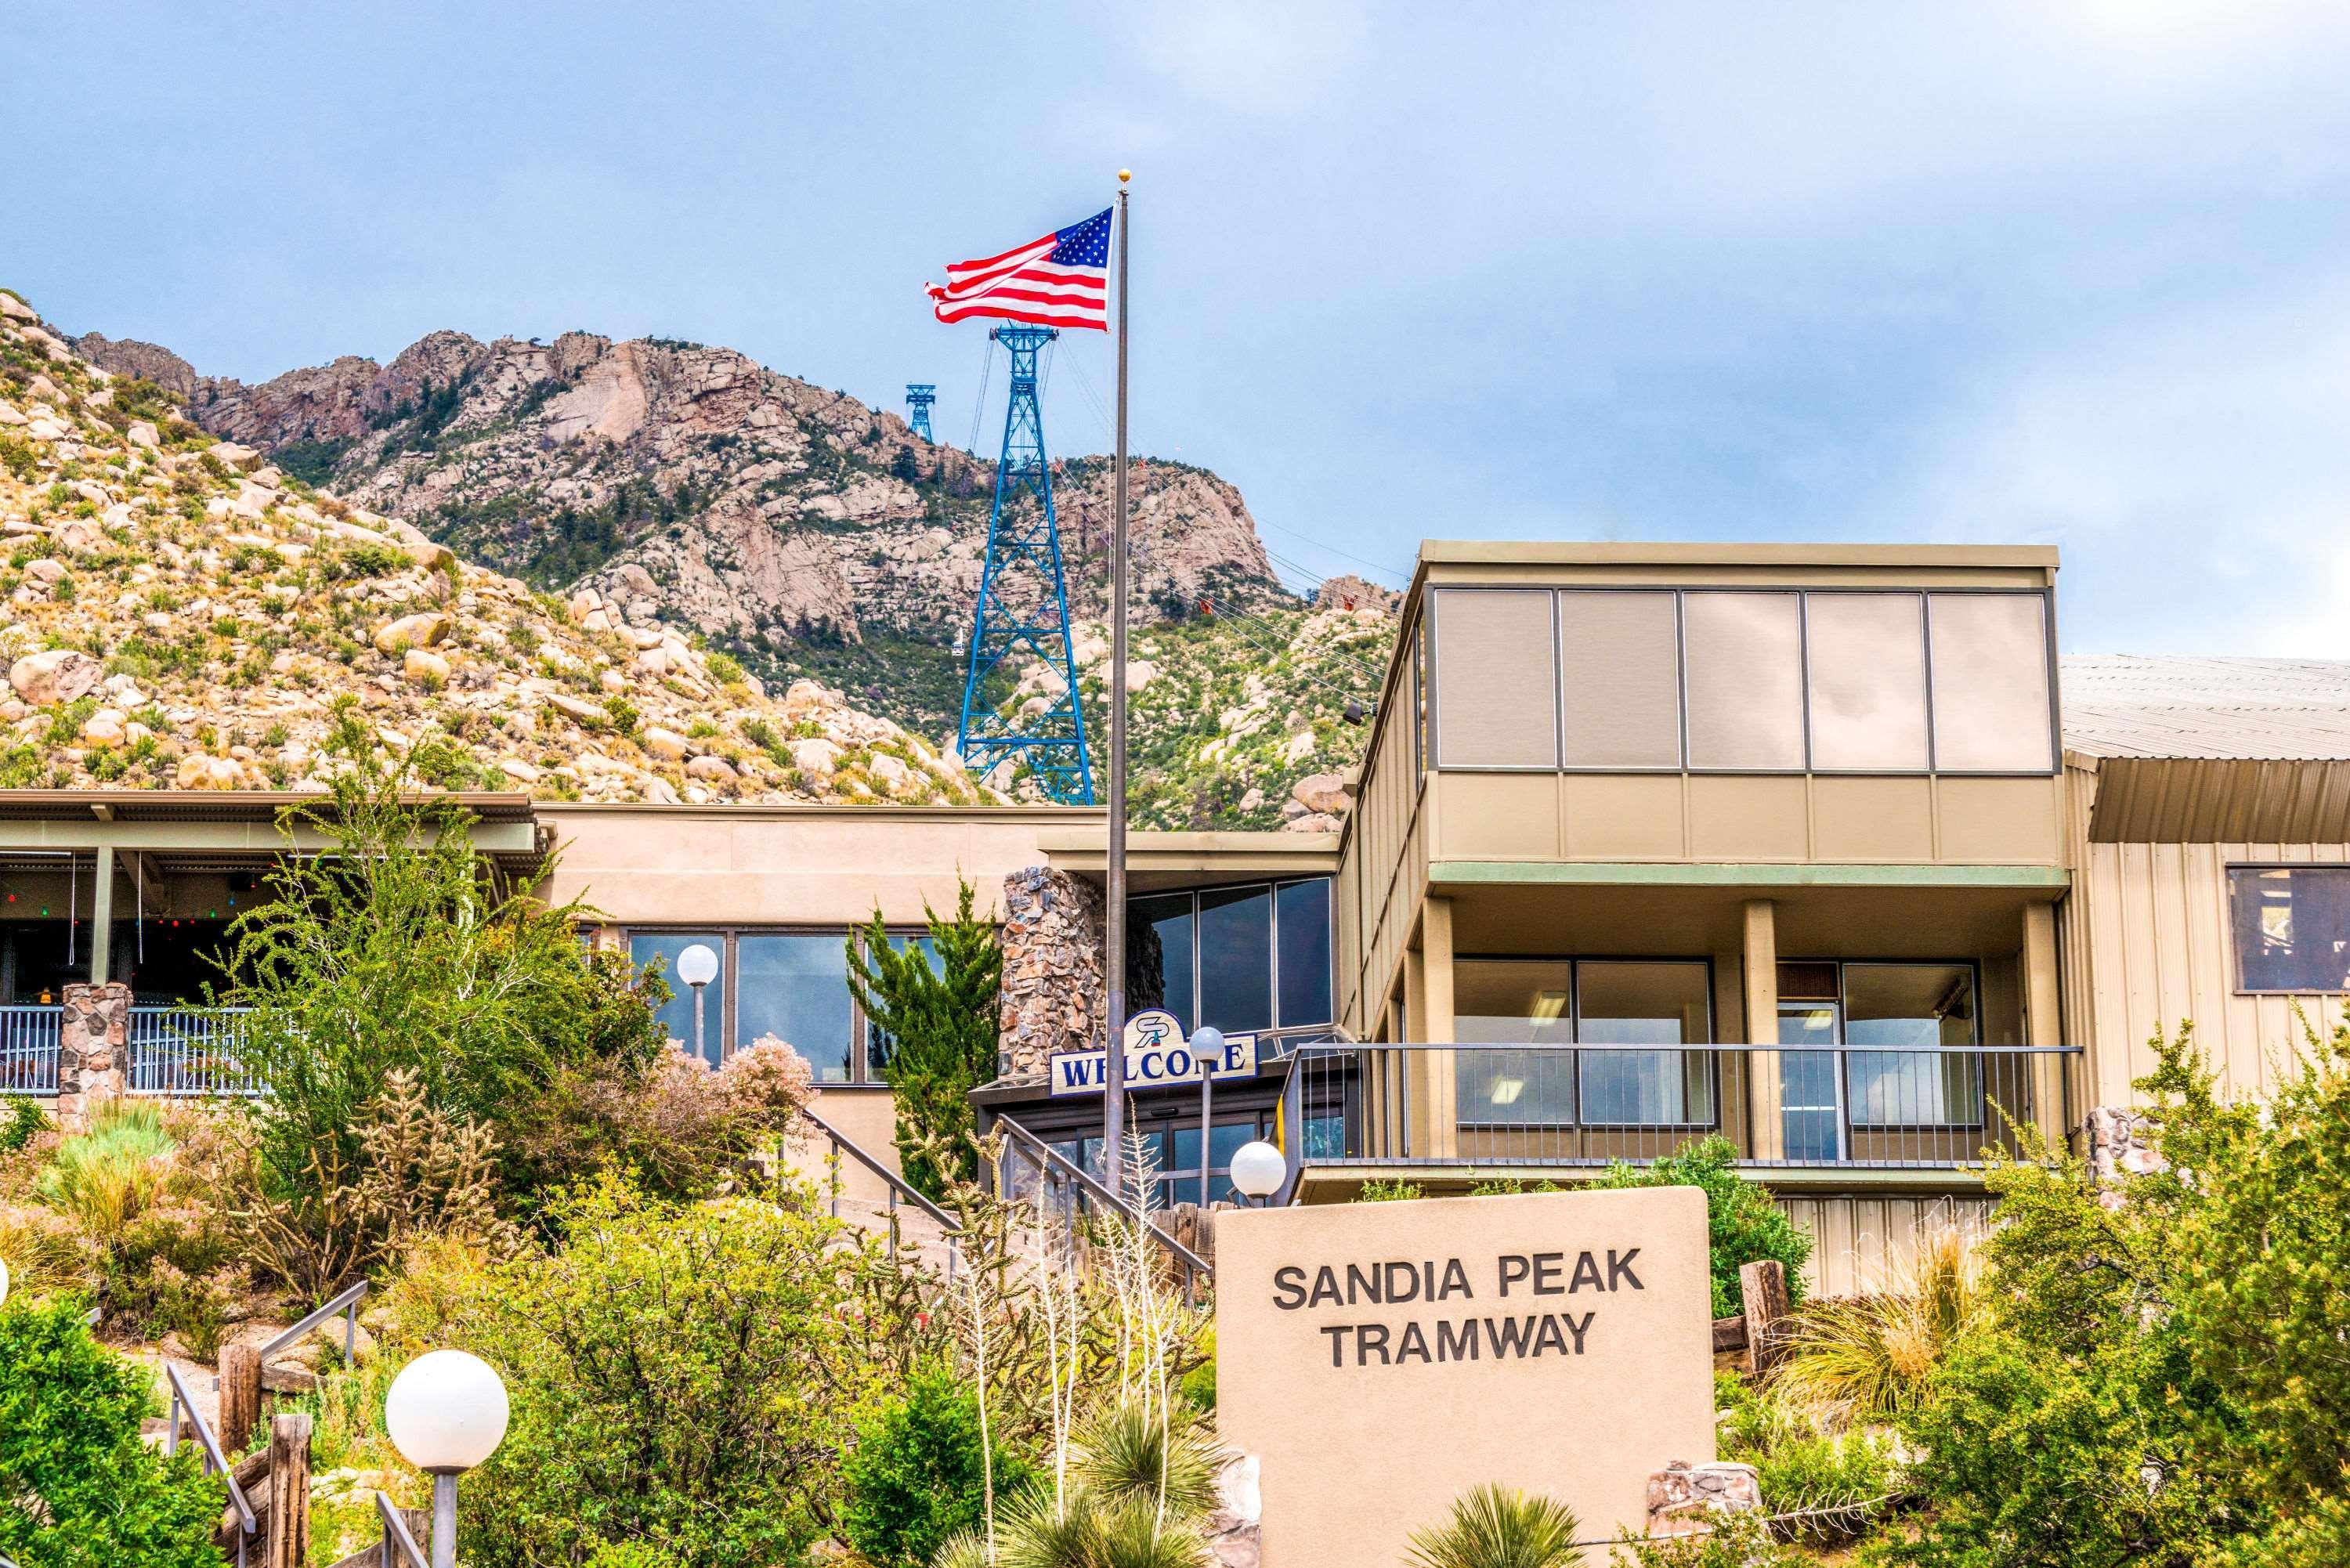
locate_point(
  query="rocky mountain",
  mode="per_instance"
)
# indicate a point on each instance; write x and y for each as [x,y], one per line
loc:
[176,611]
[795,528]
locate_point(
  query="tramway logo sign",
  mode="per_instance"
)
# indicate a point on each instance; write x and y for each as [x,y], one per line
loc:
[1156,1054]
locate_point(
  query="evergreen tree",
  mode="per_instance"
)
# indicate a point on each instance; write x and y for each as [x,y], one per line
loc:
[933,1032]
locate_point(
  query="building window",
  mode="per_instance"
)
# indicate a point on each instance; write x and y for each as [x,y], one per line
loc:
[792,984]
[1171,1144]
[1745,678]
[2291,928]
[676,1015]
[1244,960]
[1991,711]
[1620,1004]
[1620,676]
[795,988]
[1495,705]
[1866,674]
[1927,1075]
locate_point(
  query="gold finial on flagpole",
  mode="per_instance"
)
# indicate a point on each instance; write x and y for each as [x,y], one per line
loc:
[1123,175]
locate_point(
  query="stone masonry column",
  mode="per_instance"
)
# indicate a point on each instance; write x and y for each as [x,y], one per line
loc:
[1053,997]
[93,1051]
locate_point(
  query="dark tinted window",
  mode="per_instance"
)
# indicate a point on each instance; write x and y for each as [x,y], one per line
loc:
[1159,955]
[1236,959]
[2292,926]
[1305,939]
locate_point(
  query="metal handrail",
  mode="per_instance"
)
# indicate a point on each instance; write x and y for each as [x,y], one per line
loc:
[1101,1194]
[345,1305]
[395,1535]
[1351,1056]
[213,1459]
[898,1184]
[1355,1047]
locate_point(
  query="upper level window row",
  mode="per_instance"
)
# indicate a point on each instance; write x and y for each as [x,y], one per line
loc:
[1743,680]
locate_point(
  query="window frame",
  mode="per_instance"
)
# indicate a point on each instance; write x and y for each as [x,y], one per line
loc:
[860,1074]
[1273,885]
[1845,1050]
[2235,949]
[1573,1049]
[1557,705]
[1431,687]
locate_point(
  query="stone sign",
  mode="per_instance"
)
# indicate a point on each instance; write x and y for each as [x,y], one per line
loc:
[1380,1359]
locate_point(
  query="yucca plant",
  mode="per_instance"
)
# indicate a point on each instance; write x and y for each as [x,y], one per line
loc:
[1129,1453]
[1088,1530]
[1870,1356]
[1496,1527]
[109,1176]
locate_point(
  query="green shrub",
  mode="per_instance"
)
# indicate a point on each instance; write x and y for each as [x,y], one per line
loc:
[2158,1376]
[1743,1225]
[679,1375]
[25,1121]
[1388,1192]
[78,1489]
[106,1178]
[1736,1541]
[392,952]
[353,560]
[915,1477]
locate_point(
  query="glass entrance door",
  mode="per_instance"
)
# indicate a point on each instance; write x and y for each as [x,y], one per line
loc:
[1811,1086]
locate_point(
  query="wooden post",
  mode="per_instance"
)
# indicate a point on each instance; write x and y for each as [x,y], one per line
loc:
[2043,1023]
[290,1493]
[240,1396]
[1764,1285]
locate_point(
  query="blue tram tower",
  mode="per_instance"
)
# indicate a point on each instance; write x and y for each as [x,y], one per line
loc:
[1024,605]
[920,396]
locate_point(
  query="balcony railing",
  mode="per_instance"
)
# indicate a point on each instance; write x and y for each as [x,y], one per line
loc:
[174,1051]
[1590,1104]
[29,1050]
[186,1051]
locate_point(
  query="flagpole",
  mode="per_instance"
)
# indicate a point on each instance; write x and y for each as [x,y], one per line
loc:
[1114,899]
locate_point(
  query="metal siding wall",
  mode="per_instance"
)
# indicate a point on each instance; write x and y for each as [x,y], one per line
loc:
[2159,953]
[1863,1244]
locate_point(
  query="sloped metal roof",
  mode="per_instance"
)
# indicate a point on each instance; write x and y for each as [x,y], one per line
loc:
[2257,710]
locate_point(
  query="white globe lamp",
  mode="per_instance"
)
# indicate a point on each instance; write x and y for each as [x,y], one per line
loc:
[698,966]
[1259,1169]
[1207,1050]
[446,1413]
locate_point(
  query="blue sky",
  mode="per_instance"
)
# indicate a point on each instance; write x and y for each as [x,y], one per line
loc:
[2070,270]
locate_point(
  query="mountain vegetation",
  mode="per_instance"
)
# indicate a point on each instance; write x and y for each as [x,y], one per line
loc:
[797,536]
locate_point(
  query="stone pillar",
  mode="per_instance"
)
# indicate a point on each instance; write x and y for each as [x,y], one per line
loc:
[1053,997]
[93,1051]
[1684,1498]
[2121,1142]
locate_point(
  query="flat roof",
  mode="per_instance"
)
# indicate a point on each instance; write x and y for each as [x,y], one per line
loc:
[220,804]
[1635,552]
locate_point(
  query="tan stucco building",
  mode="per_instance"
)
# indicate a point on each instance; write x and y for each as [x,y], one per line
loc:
[1793,844]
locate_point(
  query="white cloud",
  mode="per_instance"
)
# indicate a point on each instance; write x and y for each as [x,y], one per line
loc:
[2196,474]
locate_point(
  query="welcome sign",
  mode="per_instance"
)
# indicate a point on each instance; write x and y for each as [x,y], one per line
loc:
[1156,1054]
[1380,1359]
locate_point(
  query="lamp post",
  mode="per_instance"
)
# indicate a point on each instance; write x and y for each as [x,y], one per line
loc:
[446,1413]
[698,966]
[1207,1050]
[1259,1169]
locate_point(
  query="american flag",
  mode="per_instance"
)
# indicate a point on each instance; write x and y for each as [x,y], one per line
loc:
[1061,280]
